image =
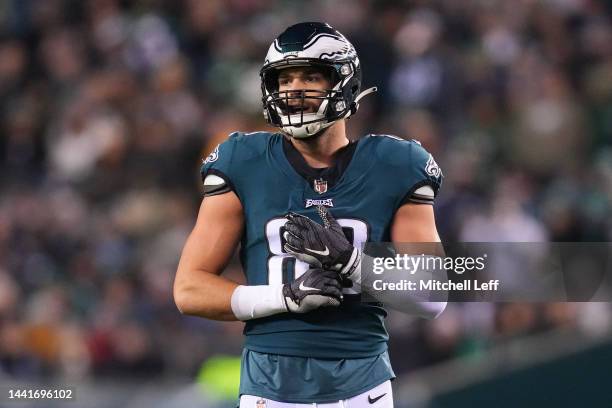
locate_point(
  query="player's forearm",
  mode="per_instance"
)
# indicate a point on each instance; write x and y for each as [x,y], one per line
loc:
[422,303]
[409,303]
[214,297]
[208,296]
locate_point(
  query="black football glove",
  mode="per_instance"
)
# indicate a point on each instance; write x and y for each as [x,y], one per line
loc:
[324,246]
[314,289]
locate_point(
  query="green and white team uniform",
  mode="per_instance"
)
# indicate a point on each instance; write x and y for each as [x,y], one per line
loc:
[331,353]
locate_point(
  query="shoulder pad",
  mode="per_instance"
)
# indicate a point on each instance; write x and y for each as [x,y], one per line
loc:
[228,160]
[416,165]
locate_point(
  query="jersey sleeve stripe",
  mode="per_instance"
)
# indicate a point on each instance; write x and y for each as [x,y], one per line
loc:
[220,184]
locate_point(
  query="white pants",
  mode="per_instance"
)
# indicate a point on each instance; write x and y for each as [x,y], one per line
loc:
[380,396]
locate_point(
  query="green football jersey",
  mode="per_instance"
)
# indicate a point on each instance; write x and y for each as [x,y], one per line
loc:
[371,179]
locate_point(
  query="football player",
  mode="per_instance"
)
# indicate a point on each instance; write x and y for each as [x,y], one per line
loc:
[309,338]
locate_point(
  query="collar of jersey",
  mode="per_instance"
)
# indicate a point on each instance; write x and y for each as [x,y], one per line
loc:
[333,175]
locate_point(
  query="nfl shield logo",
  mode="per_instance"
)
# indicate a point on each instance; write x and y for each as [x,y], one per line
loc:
[320,186]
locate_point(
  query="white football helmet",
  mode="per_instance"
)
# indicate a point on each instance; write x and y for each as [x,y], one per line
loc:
[317,45]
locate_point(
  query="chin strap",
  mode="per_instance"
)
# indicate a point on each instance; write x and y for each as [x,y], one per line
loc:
[355,105]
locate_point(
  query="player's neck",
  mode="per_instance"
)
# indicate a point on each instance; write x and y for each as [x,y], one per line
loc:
[319,151]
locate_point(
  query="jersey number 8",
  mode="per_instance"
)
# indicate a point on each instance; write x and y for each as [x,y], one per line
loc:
[283,268]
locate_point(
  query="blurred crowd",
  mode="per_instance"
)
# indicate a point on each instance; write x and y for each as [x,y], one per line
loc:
[108,106]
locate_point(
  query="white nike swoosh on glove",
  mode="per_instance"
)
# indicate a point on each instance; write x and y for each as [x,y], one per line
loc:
[314,251]
[305,288]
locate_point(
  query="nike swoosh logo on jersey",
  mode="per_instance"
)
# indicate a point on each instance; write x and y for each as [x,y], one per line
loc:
[323,253]
[373,400]
[302,287]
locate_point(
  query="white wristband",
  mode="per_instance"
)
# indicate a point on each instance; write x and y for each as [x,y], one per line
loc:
[252,302]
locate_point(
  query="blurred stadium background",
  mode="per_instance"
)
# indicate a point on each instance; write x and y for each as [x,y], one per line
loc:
[108,106]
